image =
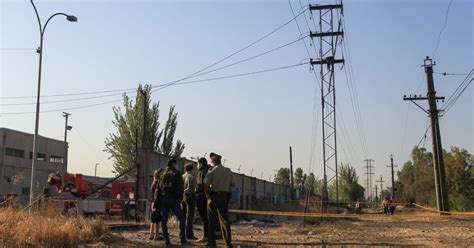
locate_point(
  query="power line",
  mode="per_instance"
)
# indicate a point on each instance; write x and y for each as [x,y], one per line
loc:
[238,51]
[59,110]
[163,86]
[442,28]
[451,74]
[195,74]
[458,92]
[349,72]
[67,100]
[314,125]
[424,135]
[17,49]
[71,94]
[166,85]
[134,89]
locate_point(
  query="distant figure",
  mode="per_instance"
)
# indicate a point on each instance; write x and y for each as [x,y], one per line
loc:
[171,193]
[357,206]
[385,205]
[155,207]
[201,199]
[218,183]
[392,205]
[189,202]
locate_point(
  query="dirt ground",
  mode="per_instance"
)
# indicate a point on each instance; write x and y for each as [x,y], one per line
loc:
[409,229]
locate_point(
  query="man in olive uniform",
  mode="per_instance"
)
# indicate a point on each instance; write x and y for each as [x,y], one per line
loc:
[201,199]
[171,189]
[217,185]
[189,202]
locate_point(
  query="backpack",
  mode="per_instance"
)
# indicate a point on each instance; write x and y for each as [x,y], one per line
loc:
[168,182]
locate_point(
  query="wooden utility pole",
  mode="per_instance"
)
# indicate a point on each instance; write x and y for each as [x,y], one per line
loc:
[433,113]
[138,175]
[376,192]
[66,145]
[291,175]
[393,176]
[381,181]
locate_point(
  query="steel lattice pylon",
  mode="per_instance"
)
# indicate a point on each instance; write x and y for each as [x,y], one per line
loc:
[328,39]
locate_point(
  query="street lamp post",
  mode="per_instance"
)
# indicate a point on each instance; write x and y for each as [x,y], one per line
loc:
[66,146]
[70,18]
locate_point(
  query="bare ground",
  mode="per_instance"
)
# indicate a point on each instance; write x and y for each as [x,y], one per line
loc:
[407,229]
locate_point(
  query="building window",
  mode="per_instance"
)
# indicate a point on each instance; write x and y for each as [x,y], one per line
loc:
[25,190]
[56,159]
[39,156]
[14,152]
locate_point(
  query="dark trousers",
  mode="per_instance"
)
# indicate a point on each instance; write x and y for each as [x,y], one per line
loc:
[391,210]
[217,207]
[168,204]
[201,203]
[189,203]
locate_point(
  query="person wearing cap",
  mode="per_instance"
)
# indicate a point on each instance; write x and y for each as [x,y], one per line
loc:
[189,201]
[171,193]
[201,199]
[217,185]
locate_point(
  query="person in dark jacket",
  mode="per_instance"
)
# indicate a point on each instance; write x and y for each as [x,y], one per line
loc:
[171,190]
[201,199]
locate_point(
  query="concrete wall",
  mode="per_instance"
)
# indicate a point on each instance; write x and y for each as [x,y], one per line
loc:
[253,191]
[15,172]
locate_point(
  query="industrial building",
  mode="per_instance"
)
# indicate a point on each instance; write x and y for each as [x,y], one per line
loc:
[16,158]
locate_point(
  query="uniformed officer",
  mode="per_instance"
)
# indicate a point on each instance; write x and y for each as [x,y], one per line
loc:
[217,185]
[189,202]
[171,190]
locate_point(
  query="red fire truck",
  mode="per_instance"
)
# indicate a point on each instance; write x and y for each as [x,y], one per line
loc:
[90,198]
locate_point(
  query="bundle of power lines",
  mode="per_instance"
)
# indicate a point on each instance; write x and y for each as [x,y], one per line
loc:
[156,87]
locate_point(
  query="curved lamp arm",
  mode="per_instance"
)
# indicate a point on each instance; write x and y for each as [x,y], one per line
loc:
[70,18]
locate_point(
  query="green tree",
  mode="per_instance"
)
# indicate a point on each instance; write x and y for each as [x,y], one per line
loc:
[416,179]
[309,183]
[168,136]
[129,121]
[298,178]
[282,177]
[349,187]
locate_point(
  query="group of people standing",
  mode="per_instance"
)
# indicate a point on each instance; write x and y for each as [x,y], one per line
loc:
[209,191]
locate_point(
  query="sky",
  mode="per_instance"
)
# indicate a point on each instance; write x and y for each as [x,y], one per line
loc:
[250,120]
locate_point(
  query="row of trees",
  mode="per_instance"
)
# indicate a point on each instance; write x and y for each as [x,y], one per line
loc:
[130,122]
[416,179]
[349,187]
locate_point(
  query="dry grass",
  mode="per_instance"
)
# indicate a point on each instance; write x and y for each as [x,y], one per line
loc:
[47,228]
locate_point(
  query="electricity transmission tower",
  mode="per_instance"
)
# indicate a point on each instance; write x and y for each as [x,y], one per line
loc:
[329,33]
[369,174]
[433,113]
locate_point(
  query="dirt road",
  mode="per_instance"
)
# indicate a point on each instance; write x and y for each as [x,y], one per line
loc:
[399,230]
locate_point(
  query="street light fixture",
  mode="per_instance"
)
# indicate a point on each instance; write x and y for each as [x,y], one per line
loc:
[95,171]
[42,29]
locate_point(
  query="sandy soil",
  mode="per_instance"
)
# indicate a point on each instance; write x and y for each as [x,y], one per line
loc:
[399,230]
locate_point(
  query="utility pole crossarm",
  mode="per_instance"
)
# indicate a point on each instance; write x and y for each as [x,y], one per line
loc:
[324,34]
[326,61]
[324,7]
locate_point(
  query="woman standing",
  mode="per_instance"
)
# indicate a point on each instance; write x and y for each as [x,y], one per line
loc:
[155,207]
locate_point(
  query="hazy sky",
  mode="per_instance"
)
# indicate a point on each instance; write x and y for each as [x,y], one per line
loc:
[249,120]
